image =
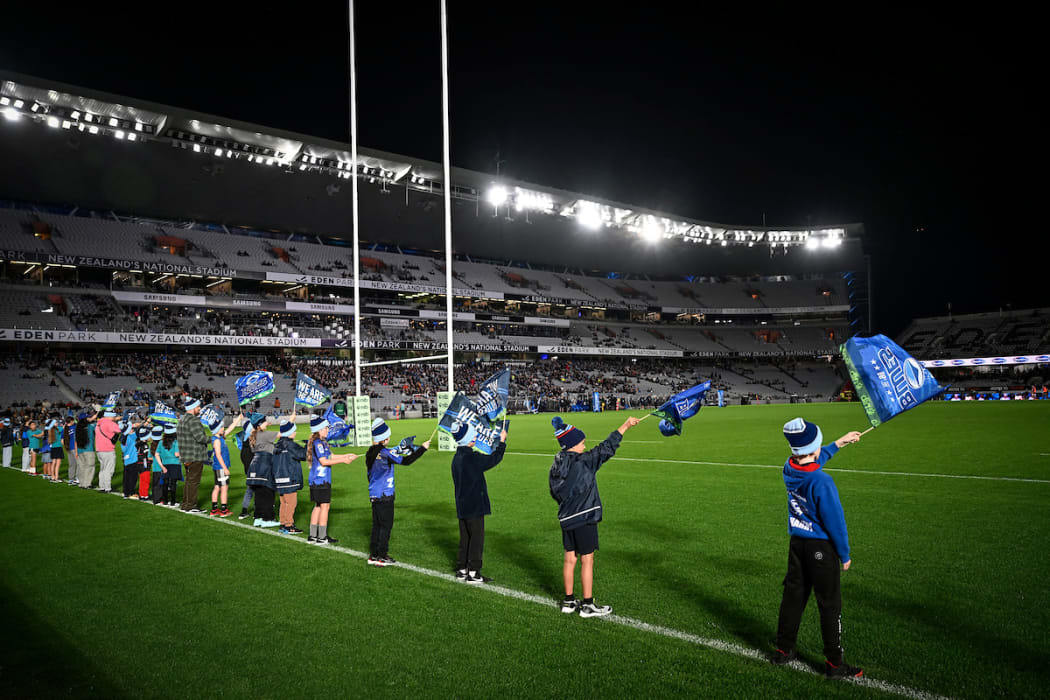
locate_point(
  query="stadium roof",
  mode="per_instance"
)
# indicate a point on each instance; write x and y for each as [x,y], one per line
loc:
[239,174]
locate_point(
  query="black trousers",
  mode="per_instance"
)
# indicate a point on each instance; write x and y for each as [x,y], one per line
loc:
[131,479]
[813,566]
[382,524]
[264,502]
[170,485]
[471,543]
[156,490]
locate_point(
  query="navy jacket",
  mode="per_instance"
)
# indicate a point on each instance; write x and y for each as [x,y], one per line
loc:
[260,471]
[288,456]
[574,483]
[468,478]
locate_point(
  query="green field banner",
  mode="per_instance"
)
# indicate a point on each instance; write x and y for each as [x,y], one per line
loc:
[445,441]
[361,410]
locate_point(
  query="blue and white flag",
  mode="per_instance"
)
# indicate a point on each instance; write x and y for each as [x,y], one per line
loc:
[680,407]
[212,416]
[254,385]
[492,399]
[888,380]
[596,402]
[309,393]
[111,400]
[163,413]
[340,432]
[463,410]
[406,447]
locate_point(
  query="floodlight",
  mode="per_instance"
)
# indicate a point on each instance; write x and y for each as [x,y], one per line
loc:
[12,114]
[589,215]
[53,122]
[112,121]
[813,243]
[132,136]
[119,134]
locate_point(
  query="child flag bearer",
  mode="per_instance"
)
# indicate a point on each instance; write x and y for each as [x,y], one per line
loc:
[818,543]
[574,486]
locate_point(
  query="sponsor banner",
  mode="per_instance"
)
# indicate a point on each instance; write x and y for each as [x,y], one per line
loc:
[340,309]
[39,336]
[756,312]
[394,323]
[131,265]
[197,300]
[381,285]
[979,361]
[619,352]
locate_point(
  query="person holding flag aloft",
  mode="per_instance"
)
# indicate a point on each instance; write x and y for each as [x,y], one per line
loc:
[380,462]
[472,498]
[574,486]
[819,541]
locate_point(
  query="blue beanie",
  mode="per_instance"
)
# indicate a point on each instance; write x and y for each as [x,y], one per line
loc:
[170,429]
[804,437]
[257,419]
[143,433]
[287,428]
[157,433]
[568,436]
[380,430]
[463,433]
[192,403]
[317,424]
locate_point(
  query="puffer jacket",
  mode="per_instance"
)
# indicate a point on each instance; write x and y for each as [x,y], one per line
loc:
[287,465]
[260,471]
[574,484]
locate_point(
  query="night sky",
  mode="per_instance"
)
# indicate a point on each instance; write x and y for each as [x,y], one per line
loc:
[923,127]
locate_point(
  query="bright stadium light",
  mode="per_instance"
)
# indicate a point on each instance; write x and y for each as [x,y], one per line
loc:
[651,230]
[93,129]
[589,215]
[53,122]
[497,195]
[12,114]
[832,242]
[812,243]
[119,134]
[132,136]
[112,121]
[19,104]
[5,101]
[196,148]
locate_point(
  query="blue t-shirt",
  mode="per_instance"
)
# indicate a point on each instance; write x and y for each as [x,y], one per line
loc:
[34,439]
[320,474]
[381,475]
[224,449]
[71,436]
[130,449]
[25,438]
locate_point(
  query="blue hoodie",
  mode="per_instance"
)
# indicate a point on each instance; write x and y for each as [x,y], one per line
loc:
[814,510]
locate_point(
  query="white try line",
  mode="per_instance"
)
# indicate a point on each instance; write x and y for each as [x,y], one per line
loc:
[717,644]
[829,469]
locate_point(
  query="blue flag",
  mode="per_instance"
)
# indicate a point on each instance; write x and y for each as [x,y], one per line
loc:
[406,447]
[254,385]
[680,407]
[163,413]
[111,400]
[463,410]
[888,380]
[492,399]
[339,431]
[212,416]
[309,393]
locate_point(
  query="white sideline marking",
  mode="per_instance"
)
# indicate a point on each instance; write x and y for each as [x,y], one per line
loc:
[829,469]
[717,644]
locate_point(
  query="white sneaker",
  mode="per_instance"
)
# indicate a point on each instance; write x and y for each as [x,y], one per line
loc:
[570,606]
[592,610]
[475,578]
[269,523]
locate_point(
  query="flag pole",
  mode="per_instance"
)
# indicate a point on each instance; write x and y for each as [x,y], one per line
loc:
[354,207]
[867,431]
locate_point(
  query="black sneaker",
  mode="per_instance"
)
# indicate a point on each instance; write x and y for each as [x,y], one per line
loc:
[461,575]
[327,540]
[311,539]
[389,560]
[293,530]
[592,610]
[781,657]
[475,578]
[843,670]
[570,606]
[243,515]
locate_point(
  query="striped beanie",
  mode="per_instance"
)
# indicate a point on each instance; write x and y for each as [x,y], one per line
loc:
[568,436]
[157,433]
[317,424]
[287,428]
[170,429]
[463,433]
[804,437]
[380,430]
[192,403]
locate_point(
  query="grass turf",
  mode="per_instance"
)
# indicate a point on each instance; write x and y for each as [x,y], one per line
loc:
[947,592]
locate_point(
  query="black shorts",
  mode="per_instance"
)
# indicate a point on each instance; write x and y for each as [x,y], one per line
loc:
[56,453]
[582,540]
[321,493]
